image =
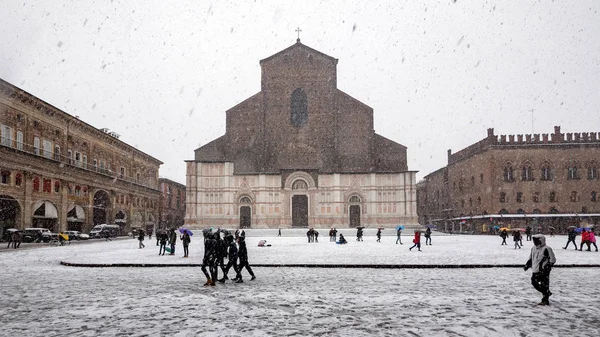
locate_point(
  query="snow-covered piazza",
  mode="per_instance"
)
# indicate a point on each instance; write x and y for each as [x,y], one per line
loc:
[43,298]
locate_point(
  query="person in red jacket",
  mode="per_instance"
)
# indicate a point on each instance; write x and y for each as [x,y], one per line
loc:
[585,237]
[417,241]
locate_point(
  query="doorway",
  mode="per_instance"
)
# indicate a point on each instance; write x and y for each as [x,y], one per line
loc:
[300,211]
[354,216]
[245,217]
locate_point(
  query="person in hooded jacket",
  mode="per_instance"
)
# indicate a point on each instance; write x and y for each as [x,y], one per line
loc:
[541,261]
[584,239]
[428,236]
[172,240]
[221,252]
[231,257]
[416,241]
[504,235]
[243,256]
[163,238]
[571,234]
[186,243]
[209,259]
[517,239]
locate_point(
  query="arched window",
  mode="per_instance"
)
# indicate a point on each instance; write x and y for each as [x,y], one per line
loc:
[299,108]
[503,211]
[552,197]
[520,211]
[594,196]
[56,186]
[299,185]
[5,177]
[526,174]
[572,173]
[56,152]
[245,200]
[18,179]
[592,172]
[573,196]
[536,197]
[354,199]
[546,173]
[508,173]
[502,198]
[519,196]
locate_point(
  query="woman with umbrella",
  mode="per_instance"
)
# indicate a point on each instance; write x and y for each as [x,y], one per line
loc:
[503,235]
[399,234]
[428,236]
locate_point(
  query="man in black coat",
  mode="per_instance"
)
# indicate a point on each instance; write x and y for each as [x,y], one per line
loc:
[231,258]
[243,255]
[209,260]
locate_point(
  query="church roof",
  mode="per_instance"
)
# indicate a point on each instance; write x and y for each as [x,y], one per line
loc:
[298,44]
[212,152]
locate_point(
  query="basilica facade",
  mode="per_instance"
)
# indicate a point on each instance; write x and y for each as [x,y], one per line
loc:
[300,153]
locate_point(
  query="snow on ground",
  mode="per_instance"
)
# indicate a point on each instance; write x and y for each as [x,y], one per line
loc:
[43,298]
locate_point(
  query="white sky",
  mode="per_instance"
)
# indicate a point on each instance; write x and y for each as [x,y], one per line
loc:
[437,74]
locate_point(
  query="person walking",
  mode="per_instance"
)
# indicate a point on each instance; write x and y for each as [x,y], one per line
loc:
[592,239]
[335,234]
[243,256]
[428,236]
[308,235]
[141,237]
[584,238]
[331,235]
[172,241]
[416,241]
[399,235]
[504,235]
[528,231]
[107,235]
[163,238]
[209,259]
[378,235]
[231,257]
[279,232]
[517,239]
[571,235]
[541,261]
[316,233]
[186,239]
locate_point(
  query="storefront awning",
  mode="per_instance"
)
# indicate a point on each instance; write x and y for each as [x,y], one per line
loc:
[76,214]
[45,210]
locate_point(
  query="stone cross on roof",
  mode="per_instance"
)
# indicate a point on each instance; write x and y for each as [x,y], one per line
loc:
[298,30]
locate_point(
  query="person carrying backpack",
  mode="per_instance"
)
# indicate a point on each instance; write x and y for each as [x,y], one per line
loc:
[541,260]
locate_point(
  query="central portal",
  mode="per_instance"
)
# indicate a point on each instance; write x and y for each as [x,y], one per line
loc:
[300,211]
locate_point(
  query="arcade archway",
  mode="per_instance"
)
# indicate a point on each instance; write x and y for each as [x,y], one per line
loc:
[101,207]
[10,213]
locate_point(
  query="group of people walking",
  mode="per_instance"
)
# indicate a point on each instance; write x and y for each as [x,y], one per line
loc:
[216,249]
[588,238]
[312,235]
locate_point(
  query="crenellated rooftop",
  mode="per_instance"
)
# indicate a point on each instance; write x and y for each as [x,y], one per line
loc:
[524,140]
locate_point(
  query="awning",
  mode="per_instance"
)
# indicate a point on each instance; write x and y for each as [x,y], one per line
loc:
[76,214]
[517,216]
[45,209]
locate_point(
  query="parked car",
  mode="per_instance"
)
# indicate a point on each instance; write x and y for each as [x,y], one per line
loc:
[100,231]
[76,235]
[37,235]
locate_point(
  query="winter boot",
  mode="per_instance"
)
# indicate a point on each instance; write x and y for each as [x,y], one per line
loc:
[208,282]
[253,278]
[239,280]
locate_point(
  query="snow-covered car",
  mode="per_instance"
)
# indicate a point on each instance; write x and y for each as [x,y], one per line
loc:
[76,235]
[37,235]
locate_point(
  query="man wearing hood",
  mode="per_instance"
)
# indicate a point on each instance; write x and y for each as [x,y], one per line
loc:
[541,261]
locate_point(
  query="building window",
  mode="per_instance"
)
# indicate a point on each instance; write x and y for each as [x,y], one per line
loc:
[354,199]
[47,147]
[594,196]
[56,152]
[592,172]
[69,156]
[18,179]
[36,146]
[20,140]
[573,196]
[7,135]
[84,161]
[519,197]
[502,198]
[526,173]
[472,181]
[56,186]
[481,178]
[78,159]
[478,201]
[552,197]
[36,184]
[508,173]
[299,108]
[95,165]
[299,185]
[137,176]
[245,200]
[546,173]
[5,177]
[536,197]
[47,185]
[122,172]
[572,173]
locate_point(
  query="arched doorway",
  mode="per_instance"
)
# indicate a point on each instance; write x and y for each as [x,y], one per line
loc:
[245,212]
[354,211]
[75,218]
[45,215]
[10,212]
[101,206]
[299,204]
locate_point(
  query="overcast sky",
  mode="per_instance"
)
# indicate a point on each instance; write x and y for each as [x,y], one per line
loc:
[437,75]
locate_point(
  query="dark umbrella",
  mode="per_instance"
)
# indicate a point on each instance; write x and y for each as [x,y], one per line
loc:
[185,230]
[431,226]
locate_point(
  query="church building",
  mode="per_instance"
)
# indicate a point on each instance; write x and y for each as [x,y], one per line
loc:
[300,153]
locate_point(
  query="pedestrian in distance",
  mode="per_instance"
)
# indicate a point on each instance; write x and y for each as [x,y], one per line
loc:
[428,236]
[584,239]
[331,235]
[378,235]
[528,231]
[541,261]
[186,239]
[308,235]
[504,235]
[517,239]
[163,238]
[141,236]
[399,235]
[149,235]
[316,233]
[342,240]
[592,239]
[243,256]
[10,239]
[571,235]
[335,234]
[359,234]
[172,240]
[416,241]
[279,232]
[107,235]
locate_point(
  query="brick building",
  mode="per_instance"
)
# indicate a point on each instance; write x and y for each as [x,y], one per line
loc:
[171,210]
[300,153]
[547,180]
[61,173]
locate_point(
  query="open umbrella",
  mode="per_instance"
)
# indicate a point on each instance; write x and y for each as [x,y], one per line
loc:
[431,226]
[399,227]
[185,230]
[573,227]
[519,229]
[504,229]
[359,227]
[496,227]
[12,230]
